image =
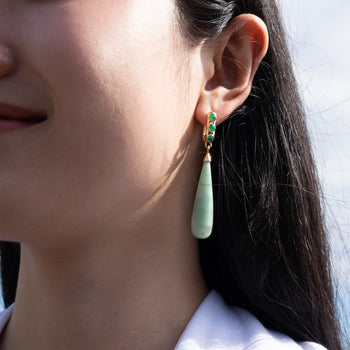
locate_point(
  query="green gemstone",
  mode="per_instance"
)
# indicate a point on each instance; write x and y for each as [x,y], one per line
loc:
[212,127]
[212,116]
[203,208]
[210,138]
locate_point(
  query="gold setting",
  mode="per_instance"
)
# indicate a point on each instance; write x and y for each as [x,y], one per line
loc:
[209,134]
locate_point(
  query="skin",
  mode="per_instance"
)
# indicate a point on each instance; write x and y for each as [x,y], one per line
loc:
[100,195]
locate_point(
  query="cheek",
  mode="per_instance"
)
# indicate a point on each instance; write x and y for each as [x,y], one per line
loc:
[119,84]
[116,74]
[117,120]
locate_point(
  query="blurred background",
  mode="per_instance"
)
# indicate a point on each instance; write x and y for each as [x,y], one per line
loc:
[318,34]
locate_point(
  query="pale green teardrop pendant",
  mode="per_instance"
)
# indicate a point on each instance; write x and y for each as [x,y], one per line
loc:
[203,208]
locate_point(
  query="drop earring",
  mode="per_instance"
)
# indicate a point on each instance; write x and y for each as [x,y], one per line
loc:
[203,208]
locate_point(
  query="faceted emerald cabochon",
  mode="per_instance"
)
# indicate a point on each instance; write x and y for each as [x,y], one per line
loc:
[203,209]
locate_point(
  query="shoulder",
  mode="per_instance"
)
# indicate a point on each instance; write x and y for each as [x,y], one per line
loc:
[218,326]
[5,316]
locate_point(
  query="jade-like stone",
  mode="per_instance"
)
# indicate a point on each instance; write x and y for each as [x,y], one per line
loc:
[203,208]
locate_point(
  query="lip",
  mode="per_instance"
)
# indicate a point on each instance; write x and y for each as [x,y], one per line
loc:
[20,113]
[10,125]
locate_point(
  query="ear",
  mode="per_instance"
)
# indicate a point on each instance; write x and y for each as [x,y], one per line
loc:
[229,65]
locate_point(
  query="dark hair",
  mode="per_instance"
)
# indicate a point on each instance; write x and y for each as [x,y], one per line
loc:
[268,251]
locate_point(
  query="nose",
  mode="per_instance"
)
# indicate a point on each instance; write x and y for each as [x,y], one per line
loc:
[7,60]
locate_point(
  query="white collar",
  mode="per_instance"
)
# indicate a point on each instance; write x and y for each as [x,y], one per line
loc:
[217,326]
[5,316]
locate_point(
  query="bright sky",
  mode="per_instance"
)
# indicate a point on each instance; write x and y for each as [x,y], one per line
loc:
[319,38]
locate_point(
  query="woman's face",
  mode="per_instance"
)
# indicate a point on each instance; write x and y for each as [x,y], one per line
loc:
[113,78]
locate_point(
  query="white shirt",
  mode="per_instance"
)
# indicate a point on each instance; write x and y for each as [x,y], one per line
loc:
[216,326]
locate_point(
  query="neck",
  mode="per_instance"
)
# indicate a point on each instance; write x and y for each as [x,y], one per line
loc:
[101,294]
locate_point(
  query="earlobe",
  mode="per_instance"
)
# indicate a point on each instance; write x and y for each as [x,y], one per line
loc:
[235,57]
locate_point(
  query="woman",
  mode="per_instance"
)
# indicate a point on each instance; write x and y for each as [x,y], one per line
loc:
[98,183]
